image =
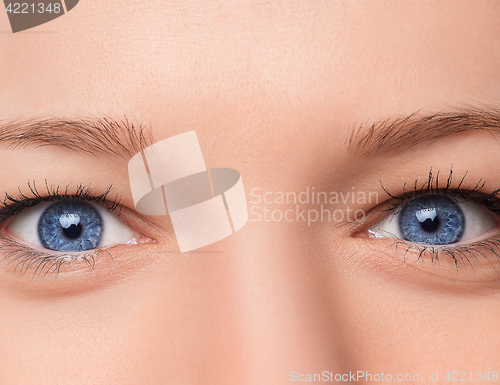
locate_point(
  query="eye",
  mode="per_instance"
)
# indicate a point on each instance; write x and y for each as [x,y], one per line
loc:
[436,220]
[69,225]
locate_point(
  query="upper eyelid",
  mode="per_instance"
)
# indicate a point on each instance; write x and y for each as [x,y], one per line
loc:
[489,200]
[12,204]
[436,183]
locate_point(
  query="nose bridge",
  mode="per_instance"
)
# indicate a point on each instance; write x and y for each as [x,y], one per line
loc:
[265,321]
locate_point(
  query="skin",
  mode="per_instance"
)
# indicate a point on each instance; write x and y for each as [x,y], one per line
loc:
[273,90]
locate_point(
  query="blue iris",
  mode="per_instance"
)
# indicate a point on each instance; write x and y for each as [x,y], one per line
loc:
[433,220]
[70,226]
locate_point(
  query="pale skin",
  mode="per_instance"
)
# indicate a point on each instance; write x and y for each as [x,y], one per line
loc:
[273,90]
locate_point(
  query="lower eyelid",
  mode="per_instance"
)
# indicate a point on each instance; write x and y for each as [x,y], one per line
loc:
[417,264]
[46,275]
[15,249]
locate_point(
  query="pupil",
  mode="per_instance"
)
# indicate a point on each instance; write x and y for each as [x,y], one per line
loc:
[73,231]
[430,225]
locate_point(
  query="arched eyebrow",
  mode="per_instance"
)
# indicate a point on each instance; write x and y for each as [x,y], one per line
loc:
[120,138]
[395,135]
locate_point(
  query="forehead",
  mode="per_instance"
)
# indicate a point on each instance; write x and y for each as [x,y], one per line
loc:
[255,60]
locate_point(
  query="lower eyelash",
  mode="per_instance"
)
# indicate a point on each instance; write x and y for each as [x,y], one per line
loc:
[463,255]
[42,263]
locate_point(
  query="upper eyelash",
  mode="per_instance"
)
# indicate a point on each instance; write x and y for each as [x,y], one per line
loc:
[11,206]
[432,186]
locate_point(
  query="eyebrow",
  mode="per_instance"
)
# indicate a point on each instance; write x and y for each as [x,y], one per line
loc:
[120,138]
[396,135]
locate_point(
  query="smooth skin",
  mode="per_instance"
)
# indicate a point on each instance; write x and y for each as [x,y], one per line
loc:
[273,90]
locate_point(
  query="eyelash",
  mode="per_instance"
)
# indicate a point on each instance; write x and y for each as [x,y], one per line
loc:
[462,255]
[45,263]
[42,262]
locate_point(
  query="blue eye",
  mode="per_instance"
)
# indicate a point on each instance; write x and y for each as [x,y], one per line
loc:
[436,220]
[70,226]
